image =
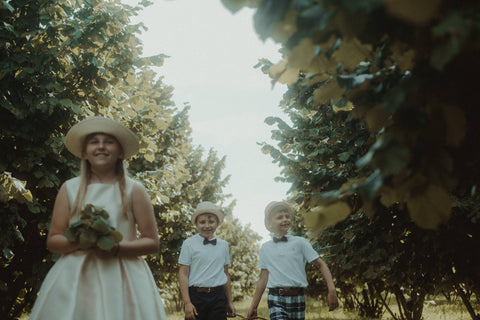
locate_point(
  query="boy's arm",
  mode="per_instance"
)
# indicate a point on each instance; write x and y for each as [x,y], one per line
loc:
[228,291]
[332,299]
[257,296]
[183,273]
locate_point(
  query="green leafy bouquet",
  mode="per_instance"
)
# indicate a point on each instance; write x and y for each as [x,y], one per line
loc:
[93,230]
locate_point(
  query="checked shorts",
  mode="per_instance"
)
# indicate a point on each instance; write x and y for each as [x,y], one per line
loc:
[286,307]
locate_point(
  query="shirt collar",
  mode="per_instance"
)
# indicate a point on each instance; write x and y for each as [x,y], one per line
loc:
[201,238]
[288,235]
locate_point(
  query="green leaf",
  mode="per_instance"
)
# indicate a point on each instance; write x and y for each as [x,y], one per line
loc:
[117,235]
[101,82]
[70,235]
[7,253]
[392,159]
[233,5]
[5,4]
[268,14]
[444,53]
[370,187]
[430,208]
[100,224]
[106,243]
[77,224]
[344,156]
[87,239]
[158,59]
[351,81]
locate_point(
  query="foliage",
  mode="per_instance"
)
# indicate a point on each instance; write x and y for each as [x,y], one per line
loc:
[382,130]
[39,98]
[397,79]
[92,230]
[61,61]
[244,250]
[385,254]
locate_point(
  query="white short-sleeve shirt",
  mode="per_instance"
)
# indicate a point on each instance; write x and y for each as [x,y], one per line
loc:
[285,261]
[206,262]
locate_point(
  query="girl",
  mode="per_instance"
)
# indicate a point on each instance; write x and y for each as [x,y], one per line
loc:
[93,284]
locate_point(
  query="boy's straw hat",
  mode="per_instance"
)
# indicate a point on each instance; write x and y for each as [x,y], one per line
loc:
[275,206]
[76,135]
[207,207]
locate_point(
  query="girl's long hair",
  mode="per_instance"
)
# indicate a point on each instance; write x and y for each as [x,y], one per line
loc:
[85,175]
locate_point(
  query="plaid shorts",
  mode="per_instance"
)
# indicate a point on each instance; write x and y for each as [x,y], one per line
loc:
[286,307]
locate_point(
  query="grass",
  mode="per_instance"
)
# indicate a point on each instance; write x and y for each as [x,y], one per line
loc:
[315,310]
[440,310]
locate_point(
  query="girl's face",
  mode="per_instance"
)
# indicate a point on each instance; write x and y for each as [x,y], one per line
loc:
[102,150]
[280,222]
[207,224]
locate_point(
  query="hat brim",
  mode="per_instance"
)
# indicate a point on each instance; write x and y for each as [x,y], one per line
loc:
[215,212]
[75,138]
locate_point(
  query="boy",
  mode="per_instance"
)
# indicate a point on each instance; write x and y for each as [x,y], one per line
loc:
[282,268]
[203,273]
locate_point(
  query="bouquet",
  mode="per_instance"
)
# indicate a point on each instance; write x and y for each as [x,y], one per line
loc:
[93,230]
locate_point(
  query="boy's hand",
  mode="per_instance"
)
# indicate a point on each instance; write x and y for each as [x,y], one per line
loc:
[190,311]
[332,301]
[252,313]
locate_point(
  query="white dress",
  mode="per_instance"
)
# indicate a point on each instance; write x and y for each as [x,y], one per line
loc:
[81,286]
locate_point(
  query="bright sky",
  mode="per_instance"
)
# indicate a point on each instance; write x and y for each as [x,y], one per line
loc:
[212,54]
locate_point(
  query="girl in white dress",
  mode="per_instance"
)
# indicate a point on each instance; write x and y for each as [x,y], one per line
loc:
[94,284]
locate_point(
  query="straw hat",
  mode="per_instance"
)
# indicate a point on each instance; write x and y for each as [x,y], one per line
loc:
[207,207]
[275,206]
[77,134]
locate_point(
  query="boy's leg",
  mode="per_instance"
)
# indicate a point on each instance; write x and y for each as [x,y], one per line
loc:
[218,306]
[276,307]
[286,307]
[200,304]
[211,305]
[296,307]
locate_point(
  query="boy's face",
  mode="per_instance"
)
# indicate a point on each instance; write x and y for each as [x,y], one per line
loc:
[280,222]
[207,224]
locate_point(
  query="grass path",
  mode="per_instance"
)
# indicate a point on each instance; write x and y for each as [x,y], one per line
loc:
[316,310]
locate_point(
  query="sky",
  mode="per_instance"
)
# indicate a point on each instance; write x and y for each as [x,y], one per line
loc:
[212,54]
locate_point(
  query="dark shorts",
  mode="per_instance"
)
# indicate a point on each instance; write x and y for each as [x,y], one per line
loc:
[286,307]
[210,305]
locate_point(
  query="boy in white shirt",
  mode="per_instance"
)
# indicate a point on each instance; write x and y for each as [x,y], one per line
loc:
[282,268]
[203,273]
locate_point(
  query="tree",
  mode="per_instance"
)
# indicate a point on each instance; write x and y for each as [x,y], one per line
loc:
[383,122]
[391,66]
[244,250]
[60,62]
[42,55]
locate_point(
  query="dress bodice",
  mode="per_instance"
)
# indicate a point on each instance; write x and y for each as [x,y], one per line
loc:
[107,196]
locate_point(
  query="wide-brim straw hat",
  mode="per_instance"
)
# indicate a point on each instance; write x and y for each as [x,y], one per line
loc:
[207,207]
[75,138]
[275,206]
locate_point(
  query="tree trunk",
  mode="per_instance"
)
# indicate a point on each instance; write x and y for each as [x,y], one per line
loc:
[412,308]
[466,301]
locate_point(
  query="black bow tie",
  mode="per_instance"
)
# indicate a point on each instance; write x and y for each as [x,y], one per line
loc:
[213,241]
[282,239]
